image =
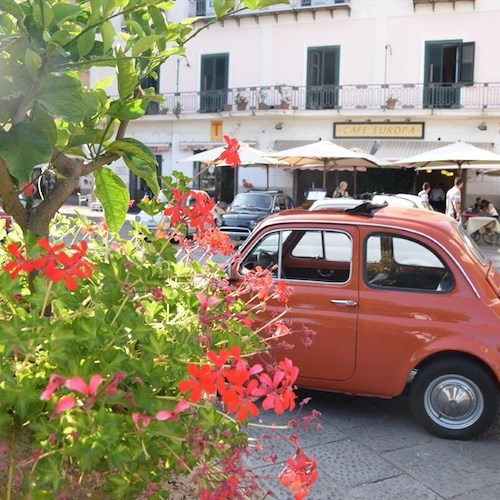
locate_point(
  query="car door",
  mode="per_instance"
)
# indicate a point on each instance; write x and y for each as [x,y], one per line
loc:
[410,300]
[321,267]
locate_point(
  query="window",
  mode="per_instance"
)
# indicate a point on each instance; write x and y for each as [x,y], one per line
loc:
[448,66]
[395,262]
[311,255]
[322,77]
[214,82]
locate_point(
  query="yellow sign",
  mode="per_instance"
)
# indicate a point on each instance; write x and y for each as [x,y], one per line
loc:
[379,130]
[216,130]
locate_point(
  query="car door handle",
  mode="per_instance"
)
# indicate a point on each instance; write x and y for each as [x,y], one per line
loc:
[344,302]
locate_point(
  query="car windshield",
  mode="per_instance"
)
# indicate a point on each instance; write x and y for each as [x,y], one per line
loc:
[253,200]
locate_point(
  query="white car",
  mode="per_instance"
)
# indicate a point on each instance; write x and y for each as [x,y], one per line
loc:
[159,220]
[396,200]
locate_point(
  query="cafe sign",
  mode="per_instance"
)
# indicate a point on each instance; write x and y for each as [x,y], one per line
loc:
[379,130]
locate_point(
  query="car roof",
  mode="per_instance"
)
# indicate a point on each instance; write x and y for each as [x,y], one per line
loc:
[422,221]
[335,203]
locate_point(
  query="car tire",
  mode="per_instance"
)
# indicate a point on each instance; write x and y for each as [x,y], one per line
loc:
[455,398]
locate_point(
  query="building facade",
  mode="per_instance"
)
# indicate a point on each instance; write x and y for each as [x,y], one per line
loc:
[389,77]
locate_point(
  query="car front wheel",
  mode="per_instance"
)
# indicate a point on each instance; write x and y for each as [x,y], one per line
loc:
[455,398]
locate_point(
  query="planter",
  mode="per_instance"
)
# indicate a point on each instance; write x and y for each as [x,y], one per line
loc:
[390,103]
[227,107]
[284,105]
[241,107]
[263,105]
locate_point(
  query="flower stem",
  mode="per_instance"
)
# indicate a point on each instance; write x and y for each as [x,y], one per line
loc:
[10,477]
[46,299]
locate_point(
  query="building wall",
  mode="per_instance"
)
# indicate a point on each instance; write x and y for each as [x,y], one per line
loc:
[381,42]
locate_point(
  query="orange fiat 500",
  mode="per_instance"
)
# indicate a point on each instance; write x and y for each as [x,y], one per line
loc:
[395,297]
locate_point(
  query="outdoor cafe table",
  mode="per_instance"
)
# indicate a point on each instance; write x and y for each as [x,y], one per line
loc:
[476,223]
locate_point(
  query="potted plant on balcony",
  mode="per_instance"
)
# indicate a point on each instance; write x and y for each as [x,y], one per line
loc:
[227,106]
[261,96]
[284,92]
[390,102]
[177,109]
[241,101]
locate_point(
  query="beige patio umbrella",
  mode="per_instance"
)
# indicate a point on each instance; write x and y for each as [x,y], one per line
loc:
[328,156]
[248,156]
[459,155]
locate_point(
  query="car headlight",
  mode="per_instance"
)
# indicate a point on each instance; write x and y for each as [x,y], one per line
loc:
[137,218]
[218,222]
[253,223]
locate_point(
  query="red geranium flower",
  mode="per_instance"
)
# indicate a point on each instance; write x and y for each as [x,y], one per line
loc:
[230,154]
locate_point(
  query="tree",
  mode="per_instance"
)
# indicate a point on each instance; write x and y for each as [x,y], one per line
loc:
[50,118]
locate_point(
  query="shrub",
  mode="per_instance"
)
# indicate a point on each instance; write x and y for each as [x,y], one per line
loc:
[129,358]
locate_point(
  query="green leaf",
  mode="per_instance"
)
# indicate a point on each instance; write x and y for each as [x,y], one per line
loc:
[23,147]
[46,123]
[108,35]
[11,7]
[61,96]
[85,42]
[32,60]
[128,110]
[139,159]
[222,7]
[114,196]
[64,11]
[103,83]
[127,77]
[145,43]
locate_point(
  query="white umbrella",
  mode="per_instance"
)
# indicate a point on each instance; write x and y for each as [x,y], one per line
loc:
[328,156]
[248,156]
[459,155]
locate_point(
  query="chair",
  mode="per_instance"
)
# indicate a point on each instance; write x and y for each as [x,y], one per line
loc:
[82,198]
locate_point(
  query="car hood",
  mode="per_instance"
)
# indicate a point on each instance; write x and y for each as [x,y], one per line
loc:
[244,215]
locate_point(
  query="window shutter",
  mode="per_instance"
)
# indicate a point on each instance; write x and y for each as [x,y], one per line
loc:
[467,63]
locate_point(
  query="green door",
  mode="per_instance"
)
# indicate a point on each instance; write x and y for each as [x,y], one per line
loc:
[448,67]
[322,77]
[214,81]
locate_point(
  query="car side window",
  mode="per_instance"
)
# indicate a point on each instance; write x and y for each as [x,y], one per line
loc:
[395,262]
[316,255]
[264,254]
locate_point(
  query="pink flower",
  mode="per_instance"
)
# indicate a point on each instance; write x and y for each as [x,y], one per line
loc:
[141,419]
[79,385]
[65,403]
[55,381]
[172,415]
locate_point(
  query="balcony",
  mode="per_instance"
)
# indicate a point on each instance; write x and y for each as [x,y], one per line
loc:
[408,96]
[205,8]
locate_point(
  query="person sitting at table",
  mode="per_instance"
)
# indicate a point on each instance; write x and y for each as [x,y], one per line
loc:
[487,209]
[476,208]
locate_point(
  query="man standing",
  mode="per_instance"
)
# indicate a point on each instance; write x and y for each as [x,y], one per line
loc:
[454,200]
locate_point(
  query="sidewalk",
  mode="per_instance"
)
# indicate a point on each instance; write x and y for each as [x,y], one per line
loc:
[71,207]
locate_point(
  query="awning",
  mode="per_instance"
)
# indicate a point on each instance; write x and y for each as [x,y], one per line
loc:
[386,149]
[203,146]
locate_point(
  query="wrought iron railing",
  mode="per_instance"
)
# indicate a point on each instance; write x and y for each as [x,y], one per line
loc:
[479,96]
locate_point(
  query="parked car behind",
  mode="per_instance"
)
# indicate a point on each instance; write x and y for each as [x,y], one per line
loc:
[396,200]
[397,297]
[248,209]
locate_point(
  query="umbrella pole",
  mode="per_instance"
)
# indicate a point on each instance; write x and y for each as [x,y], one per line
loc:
[324,176]
[354,182]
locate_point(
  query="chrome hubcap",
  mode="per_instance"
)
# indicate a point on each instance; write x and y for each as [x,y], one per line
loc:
[454,402]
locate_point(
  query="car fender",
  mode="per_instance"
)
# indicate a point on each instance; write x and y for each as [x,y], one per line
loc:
[488,355]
